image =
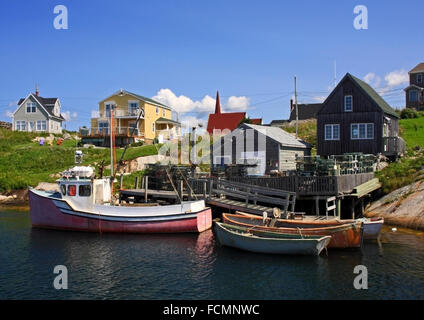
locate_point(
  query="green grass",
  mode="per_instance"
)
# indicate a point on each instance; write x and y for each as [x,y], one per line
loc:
[25,163]
[307,131]
[410,168]
[412,130]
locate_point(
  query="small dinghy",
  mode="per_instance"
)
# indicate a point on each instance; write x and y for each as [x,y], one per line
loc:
[372,226]
[84,204]
[260,241]
[348,235]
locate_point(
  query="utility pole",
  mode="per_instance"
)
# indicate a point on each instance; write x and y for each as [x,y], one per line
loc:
[295,101]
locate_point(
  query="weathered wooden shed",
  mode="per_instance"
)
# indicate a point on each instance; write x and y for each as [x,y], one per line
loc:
[271,148]
[355,118]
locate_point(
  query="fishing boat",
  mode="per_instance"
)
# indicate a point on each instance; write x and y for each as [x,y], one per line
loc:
[84,204]
[372,226]
[348,235]
[269,242]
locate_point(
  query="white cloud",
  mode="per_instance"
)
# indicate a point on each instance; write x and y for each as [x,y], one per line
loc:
[68,116]
[183,104]
[396,78]
[372,79]
[237,103]
[9,113]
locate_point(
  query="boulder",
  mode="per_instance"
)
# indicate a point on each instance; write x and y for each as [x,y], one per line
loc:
[66,136]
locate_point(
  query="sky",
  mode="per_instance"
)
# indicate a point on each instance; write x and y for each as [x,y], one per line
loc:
[181,52]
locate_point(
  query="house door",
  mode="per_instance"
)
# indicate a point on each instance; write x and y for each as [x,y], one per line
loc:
[31,126]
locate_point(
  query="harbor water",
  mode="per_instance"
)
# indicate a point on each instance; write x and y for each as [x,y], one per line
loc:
[195,266]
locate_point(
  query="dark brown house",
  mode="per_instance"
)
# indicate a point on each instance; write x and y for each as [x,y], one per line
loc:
[355,118]
[415,91]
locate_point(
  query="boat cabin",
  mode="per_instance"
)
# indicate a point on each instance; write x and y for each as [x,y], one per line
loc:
[79,187]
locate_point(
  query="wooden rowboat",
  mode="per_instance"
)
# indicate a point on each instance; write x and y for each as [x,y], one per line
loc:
[348,235]
[268,242]
[372,226]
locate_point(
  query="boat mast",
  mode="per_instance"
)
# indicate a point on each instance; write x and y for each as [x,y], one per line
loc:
[112,152]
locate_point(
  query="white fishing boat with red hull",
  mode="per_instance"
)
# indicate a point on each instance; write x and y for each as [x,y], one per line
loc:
[83,204]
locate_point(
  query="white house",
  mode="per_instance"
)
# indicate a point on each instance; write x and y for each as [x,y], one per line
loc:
[38,114]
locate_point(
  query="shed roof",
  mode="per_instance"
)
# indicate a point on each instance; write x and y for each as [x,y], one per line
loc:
[280,136]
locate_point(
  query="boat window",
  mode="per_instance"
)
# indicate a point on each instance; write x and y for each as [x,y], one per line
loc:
[63,189]
[84,190]
[72,190]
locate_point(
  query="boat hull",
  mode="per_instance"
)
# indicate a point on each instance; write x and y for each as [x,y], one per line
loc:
[46,213]
[248,242]
[342,236]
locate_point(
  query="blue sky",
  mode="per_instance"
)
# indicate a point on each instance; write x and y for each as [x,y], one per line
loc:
[248,50]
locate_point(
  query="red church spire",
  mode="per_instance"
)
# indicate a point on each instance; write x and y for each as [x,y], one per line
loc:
[217,104]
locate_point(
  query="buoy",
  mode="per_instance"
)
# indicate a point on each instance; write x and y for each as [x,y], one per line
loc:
[394,229]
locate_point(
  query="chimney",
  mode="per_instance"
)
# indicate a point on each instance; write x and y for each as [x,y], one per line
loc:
[217,104]
[291,105]
[36,90]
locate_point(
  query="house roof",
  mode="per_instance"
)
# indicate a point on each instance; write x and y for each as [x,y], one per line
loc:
[145,99]
[165,120]
[418,68]
[305,111]
[280,136]
[221,121]
[46,103]
[374,95]
[413,86]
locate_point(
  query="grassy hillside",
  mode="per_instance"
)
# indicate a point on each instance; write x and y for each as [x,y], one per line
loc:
[307,131]
[412,130]
[25,163]
[410,168]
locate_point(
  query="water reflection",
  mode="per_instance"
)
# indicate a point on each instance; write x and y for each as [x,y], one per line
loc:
[195,266]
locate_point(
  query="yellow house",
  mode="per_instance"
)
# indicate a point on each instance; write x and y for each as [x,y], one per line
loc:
[155,119]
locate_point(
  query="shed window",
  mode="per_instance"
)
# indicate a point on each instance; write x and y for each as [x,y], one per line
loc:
[332,132]
[72,190]
[362,131]
[348,102]
[84,190]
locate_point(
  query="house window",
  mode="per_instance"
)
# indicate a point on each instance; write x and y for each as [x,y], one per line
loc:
[41,125]
[163,113]
[103,127]
[153,127]
[420,78]
[20,125]
[413,96]
[361,131]
[157,110]
[332,132]
[348,102]
[132,107]
[30,107]
[108,107]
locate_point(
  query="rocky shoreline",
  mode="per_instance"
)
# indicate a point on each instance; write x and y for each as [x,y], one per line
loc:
[403,207]
[20,197]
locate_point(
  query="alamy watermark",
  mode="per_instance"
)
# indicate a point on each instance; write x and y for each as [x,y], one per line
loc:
[361,280]
[361,20]
[61,20]
[61,280]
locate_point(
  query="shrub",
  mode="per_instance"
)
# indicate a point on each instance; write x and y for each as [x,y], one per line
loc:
[409,113]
